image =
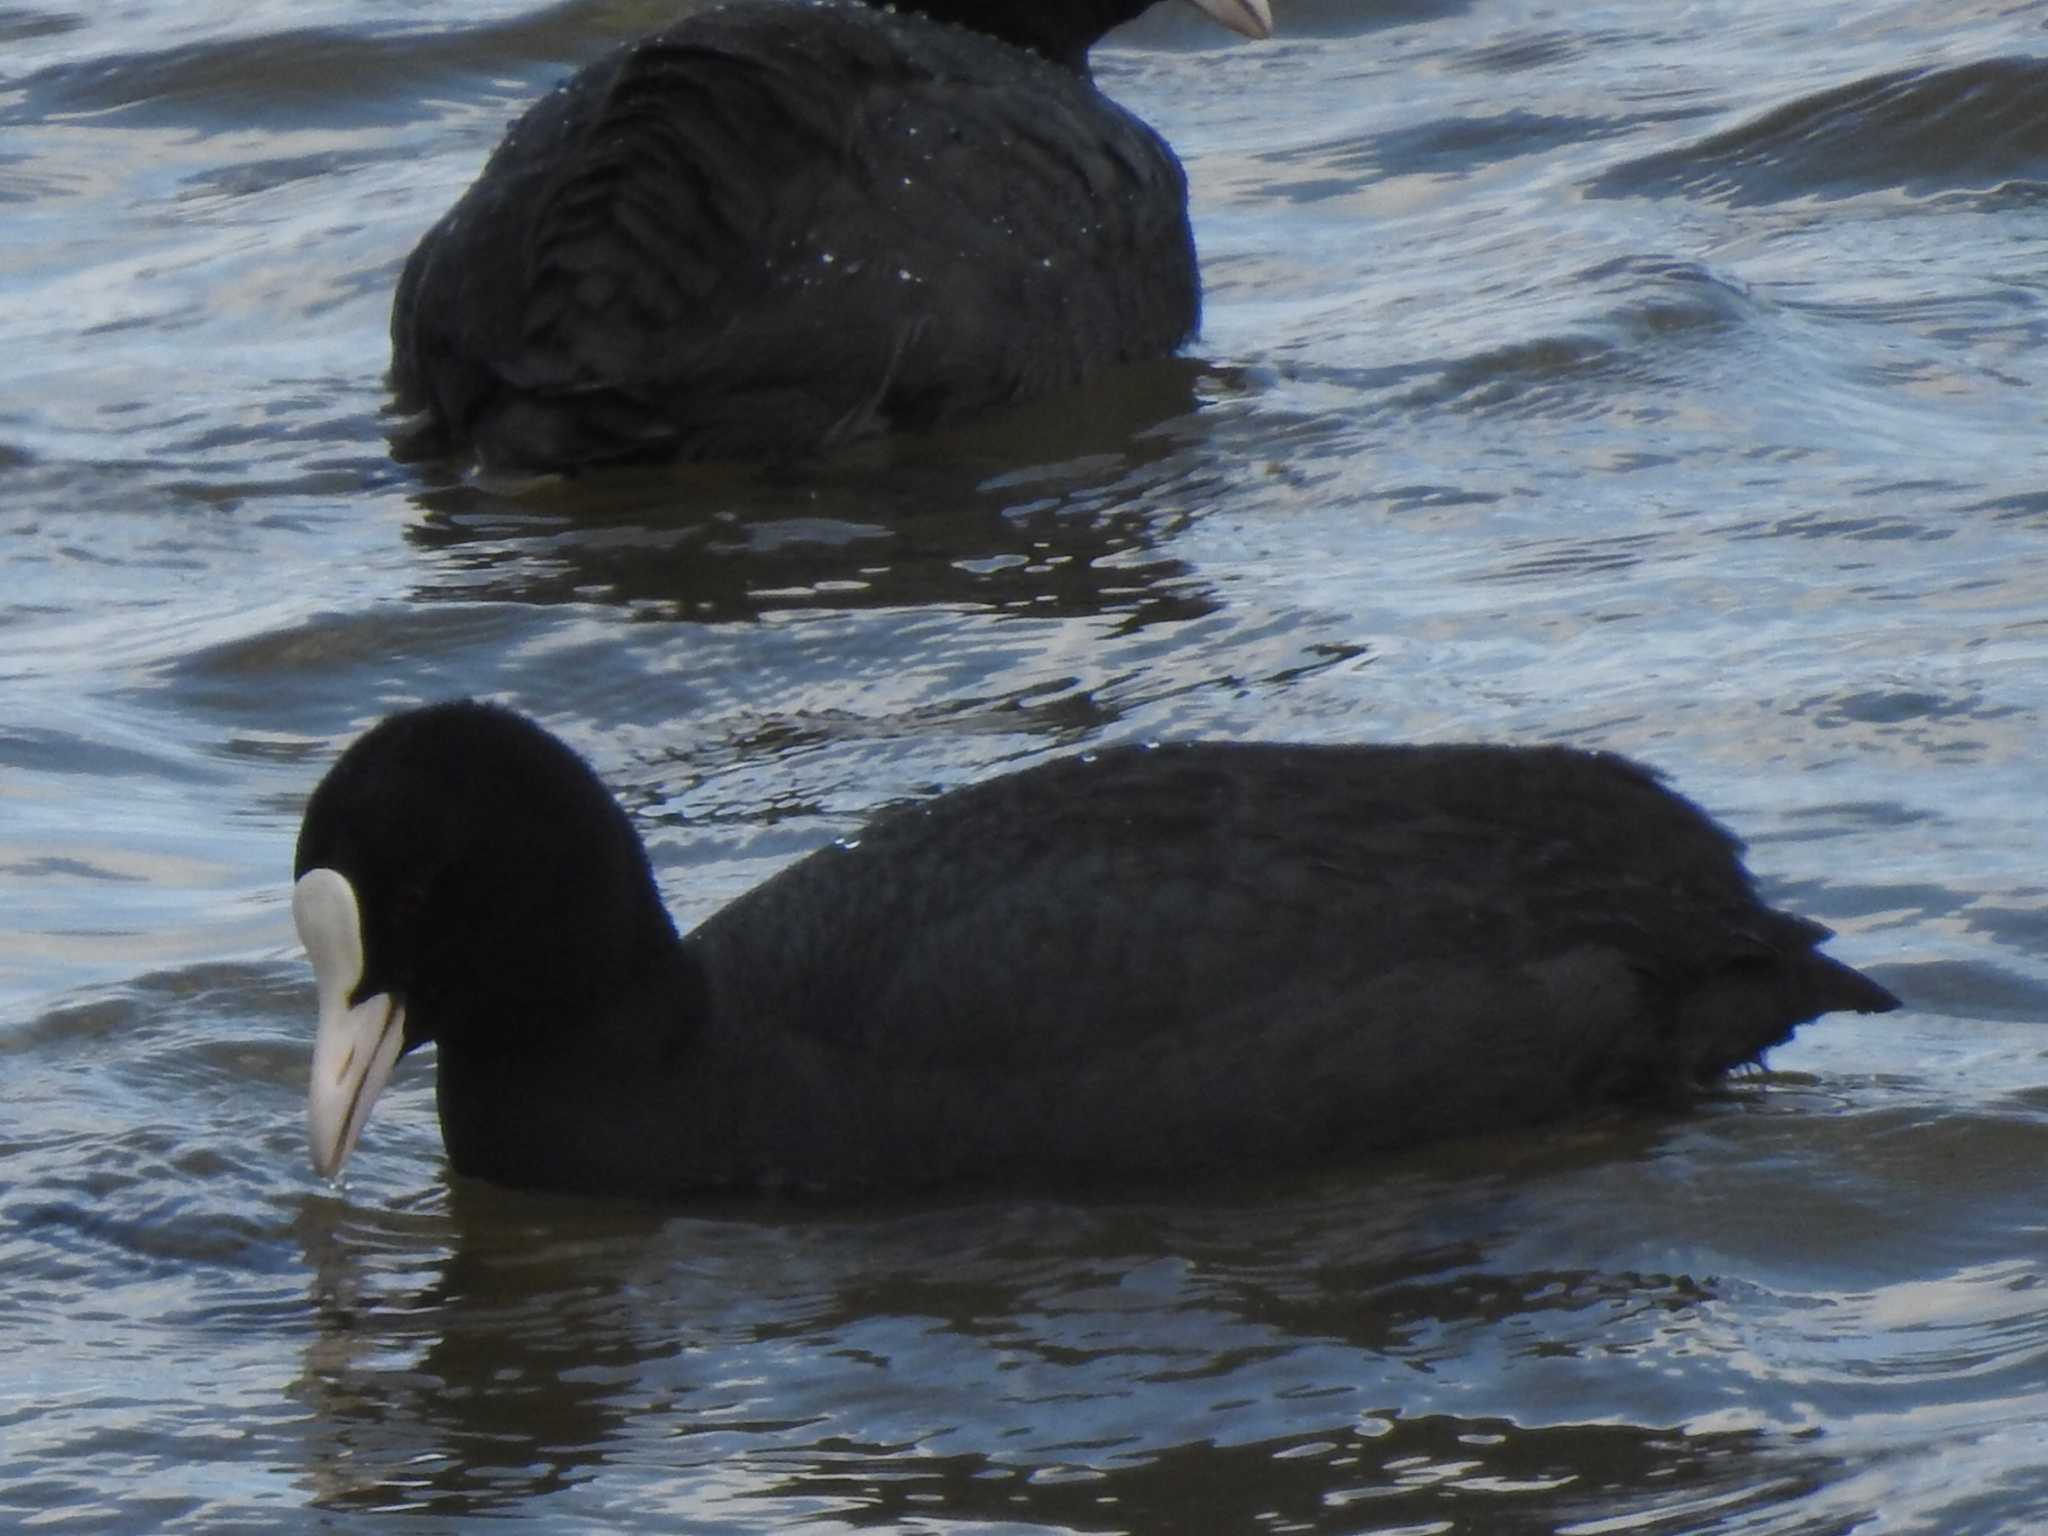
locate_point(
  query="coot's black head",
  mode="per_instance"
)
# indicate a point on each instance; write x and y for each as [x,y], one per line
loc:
[461,876]
[1064,30]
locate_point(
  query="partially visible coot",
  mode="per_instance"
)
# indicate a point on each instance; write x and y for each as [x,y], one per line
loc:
[781,225]
[1140,965]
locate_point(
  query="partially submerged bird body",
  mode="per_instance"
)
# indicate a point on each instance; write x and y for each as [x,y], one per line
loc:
[1146,964]
[776,227]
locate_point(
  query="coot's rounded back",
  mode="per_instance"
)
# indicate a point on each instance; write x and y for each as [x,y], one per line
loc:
[773,228]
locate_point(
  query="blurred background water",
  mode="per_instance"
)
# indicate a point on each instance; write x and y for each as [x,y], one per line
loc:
[1663,378]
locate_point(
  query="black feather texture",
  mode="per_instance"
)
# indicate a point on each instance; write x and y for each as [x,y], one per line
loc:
[777,227]
[1142,964]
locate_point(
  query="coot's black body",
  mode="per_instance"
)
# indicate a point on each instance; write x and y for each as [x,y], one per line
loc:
[778,226]
[1141,964]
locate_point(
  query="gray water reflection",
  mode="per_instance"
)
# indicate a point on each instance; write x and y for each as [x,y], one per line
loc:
[1005,1363]
[1058,508]
[1425,1342]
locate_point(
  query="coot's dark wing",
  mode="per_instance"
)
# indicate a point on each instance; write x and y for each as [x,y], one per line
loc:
[775,227]
[1561,915]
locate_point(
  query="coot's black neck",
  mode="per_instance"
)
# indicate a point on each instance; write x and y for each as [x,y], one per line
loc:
[1060,30]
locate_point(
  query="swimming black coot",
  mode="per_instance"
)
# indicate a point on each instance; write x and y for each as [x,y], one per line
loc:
[1143,963]
[780,225]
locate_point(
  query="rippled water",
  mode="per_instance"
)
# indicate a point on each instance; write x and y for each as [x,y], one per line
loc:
[1662,378]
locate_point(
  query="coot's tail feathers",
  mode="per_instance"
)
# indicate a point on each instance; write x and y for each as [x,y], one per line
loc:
[1838,988]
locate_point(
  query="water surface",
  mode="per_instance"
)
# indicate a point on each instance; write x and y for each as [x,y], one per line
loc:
[1665,379]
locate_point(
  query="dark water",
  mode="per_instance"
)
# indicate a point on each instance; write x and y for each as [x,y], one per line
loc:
[1661,378]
